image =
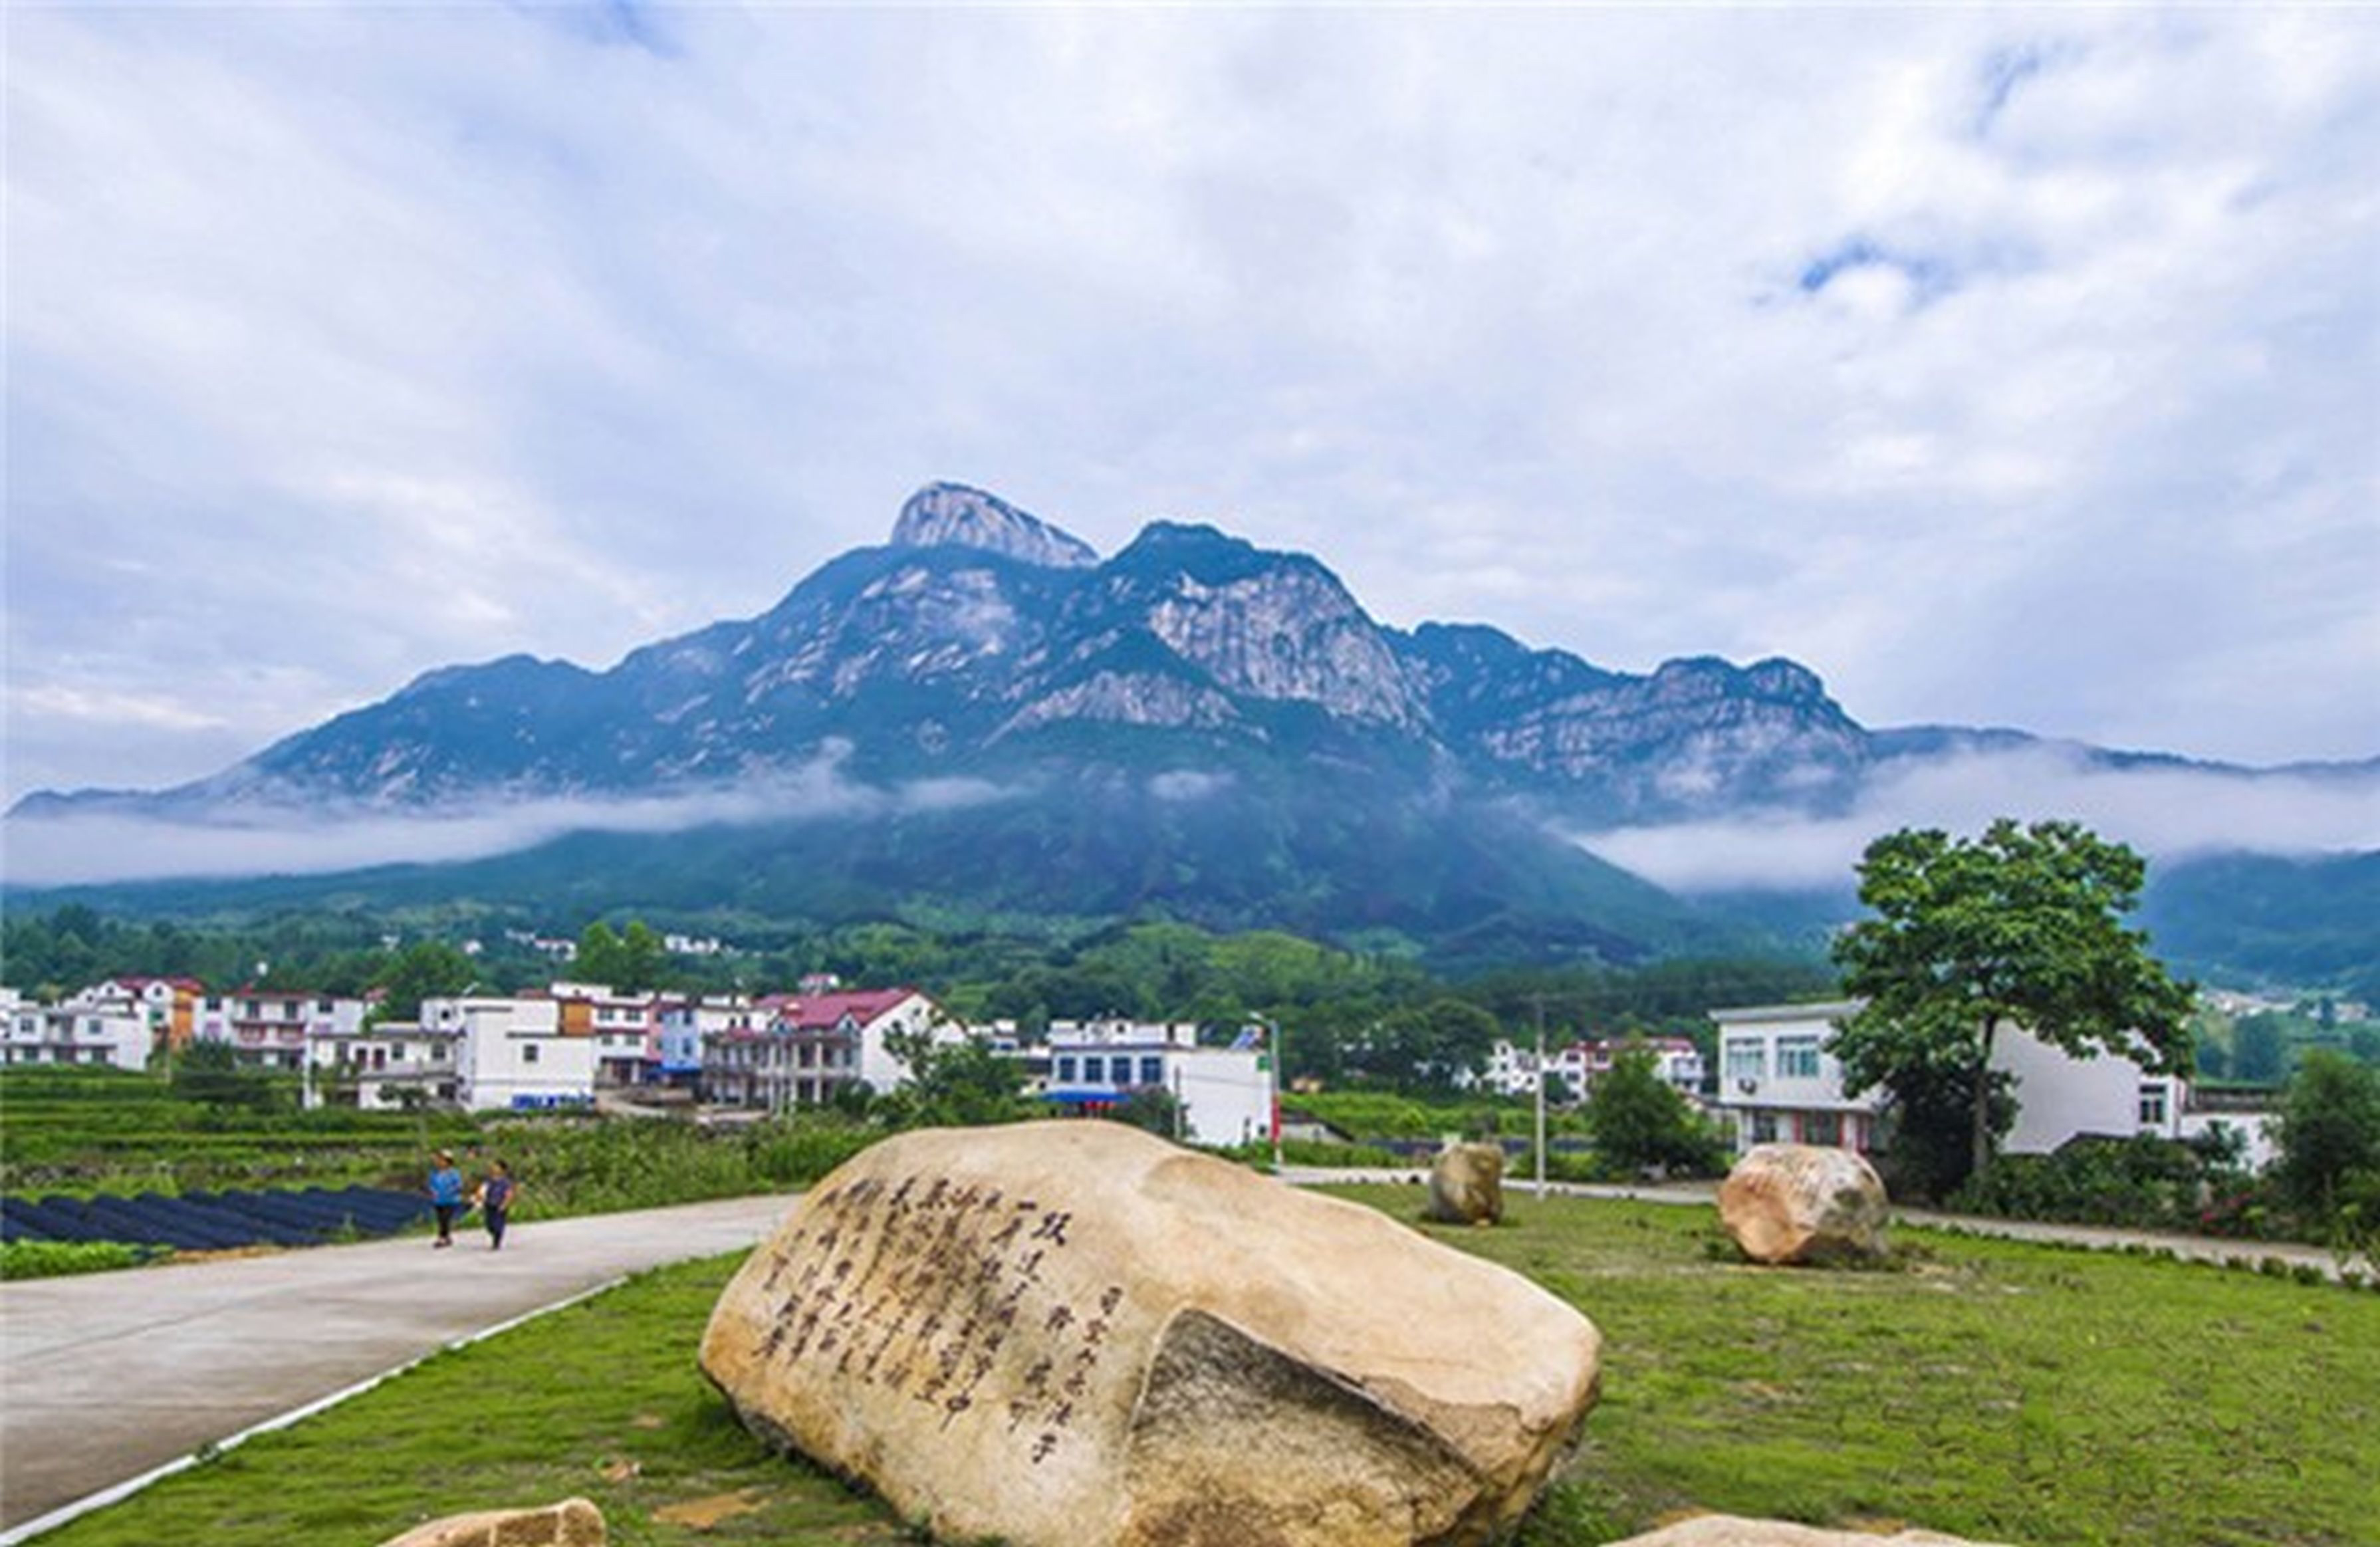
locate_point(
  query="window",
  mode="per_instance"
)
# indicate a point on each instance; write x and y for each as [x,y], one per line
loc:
[1095,1071]
[1797,1057]
[1152,1071]
[1747,1058]
[528,1053]
[1763,1127]
[2153,1106]
[1065,1069]
[1823,1128]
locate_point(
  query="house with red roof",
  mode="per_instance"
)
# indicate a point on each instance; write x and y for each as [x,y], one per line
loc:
[807,1047]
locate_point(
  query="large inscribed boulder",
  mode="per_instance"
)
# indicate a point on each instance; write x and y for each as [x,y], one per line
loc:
[1804,1203]
[1466,1185]
[1075,1334]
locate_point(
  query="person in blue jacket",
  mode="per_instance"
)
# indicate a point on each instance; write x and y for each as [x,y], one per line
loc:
[445,1196]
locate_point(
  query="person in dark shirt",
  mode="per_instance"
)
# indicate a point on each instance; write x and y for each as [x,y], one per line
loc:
[496,1197]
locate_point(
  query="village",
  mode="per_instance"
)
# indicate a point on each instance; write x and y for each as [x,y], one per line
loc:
[580,1047]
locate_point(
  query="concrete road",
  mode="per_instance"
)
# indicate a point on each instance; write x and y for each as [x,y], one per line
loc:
[104,1377]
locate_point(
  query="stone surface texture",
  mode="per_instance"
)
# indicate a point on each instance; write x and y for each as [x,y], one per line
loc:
[1466,1185]
[572,1523]
[1075,1335]
[1804,1203]
[1729,1530]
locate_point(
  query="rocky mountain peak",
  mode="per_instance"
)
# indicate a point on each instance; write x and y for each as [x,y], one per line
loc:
[953,515]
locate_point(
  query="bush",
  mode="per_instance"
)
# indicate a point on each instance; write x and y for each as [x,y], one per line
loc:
[2144,1183]
[55,1259]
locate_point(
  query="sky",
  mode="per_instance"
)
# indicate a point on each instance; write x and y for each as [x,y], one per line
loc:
[2005,365]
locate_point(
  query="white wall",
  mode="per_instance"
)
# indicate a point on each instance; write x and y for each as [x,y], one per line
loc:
[1226,1094]
[878,1068]
[2059,1097]
[514,1054]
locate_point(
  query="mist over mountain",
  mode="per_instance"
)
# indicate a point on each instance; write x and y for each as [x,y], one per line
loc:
[984,713]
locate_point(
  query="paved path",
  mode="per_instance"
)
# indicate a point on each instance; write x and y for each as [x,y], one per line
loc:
[104,1377]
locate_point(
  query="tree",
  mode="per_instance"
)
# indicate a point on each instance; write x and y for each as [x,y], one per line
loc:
[425,970]
[2021,926]
[955,1084]
[2329,1131]
[1641,1122]
[1426,1047]
[2259,1050]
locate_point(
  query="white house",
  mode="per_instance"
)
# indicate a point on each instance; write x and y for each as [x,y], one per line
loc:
[1224,1094]
[93,1029]
[513,1054]
[374,1068]
[1512,1070]
[625,1029]
[270,1028]
[1779,1081]
[171,1005]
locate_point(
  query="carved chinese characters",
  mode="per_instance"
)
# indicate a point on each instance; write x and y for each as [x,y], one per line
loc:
[1074,1333]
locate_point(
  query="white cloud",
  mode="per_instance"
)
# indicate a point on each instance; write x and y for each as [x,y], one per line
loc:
[99,847]
[388,338]
[2164,811]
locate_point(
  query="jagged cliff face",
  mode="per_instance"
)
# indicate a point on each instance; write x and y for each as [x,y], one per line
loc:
[953,515]
[979,629]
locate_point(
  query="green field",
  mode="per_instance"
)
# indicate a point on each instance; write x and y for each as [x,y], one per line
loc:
[86,1131]
[1990,1389]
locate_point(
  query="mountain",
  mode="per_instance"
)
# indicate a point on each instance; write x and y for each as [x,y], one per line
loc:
[985,713]
[980,637]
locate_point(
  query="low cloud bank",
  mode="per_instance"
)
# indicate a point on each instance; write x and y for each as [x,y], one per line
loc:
[102,847]
[2167,813]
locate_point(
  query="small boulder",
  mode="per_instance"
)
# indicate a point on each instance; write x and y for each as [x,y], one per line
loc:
[1729,1530]
[1075,1334]
[1466,1185]
[1804,1203]
[571,1523]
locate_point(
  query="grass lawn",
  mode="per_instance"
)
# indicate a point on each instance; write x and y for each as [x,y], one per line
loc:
[1990,1389]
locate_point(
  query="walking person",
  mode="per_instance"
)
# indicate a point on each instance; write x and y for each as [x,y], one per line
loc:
[495,1198]
[445,1196]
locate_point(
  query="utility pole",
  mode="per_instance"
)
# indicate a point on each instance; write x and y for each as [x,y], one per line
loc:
[1273,1048]
[1540,1001]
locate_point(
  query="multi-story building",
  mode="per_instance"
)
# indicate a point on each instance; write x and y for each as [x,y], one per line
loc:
[171,1005]
[391,1067]
[685,1023]
[1780,1080]
[625,1029]
[271,1028]
[812,1046]
[1224,1095]
[512,1054]
[1512,1071]
[96,1030]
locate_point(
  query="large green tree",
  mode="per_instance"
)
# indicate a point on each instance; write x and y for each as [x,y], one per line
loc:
[2021,926]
